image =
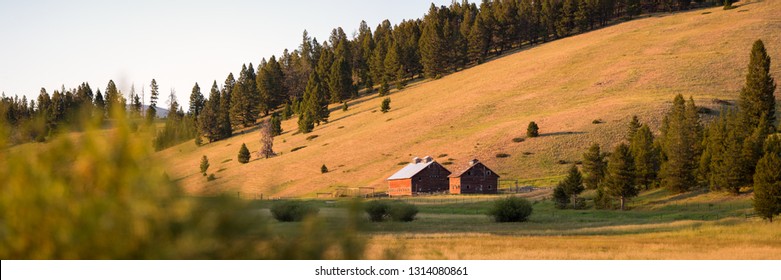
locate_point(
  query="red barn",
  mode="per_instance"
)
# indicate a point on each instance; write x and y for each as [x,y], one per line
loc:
[420,176]
[475,178]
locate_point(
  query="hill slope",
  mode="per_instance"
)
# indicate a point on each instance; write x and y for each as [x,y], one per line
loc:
[609,74]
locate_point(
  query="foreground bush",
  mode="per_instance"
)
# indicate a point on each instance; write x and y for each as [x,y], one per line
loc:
[403,212]
[377,210]
[511,209]
[292,210]
[100,195]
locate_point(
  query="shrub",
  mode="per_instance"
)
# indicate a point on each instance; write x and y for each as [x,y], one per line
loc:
[560,197]
[518,140]
[297,148]
[323,169]
[344,106]
[292,210]
[597,121]
[533,130]
[385,106]
[310,137]
[212,177]
[511,209]
[502,155]
[403,212]
[377,210]
[244,154]
[204,165]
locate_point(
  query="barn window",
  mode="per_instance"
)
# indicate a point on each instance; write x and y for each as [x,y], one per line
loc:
[488,173]
[467,187]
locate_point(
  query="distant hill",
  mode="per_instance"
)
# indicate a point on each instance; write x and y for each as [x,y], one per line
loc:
[580,90]
[161,113]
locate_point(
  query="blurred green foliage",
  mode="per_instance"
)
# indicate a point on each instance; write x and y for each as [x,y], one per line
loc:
[99,195]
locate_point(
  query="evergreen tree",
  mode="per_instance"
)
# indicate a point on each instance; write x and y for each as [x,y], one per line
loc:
[204,165]
[385,106]
[196,101]
[681,141]
[727,167]
[208,124]
[532,130]
[594,167]
[479,39]
[767,180]
[243,154]
[620,180]
[393,70]
[560,197]
[154,92]
[432,45]
[634,125]
[571,186]
[245,107]
[646,157]
[276,124]
[100,103]
[756,97]
[114,99]
[323,169]
[223,115]
[315,105]
[633,8]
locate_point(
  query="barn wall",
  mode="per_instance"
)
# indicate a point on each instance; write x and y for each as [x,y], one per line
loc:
[478,181]
[432,179]
[400,187]
[455,185]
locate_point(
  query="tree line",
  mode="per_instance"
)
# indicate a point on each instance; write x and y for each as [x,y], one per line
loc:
[304,81]
[740,149]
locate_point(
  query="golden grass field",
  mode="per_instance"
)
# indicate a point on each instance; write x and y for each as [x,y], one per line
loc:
[631,68]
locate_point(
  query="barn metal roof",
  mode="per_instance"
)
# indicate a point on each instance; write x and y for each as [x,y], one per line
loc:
[410,170]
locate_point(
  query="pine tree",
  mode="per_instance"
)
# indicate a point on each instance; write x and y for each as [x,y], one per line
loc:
[560,197]
[634,125]
[276,124]
[208,124]
[756,97]
[646,157]
[432,45]
[728,168]
[571,186]
[223,115]
[196,101]
[245,107]
[633,8]
[620,180]
[243,154]
[767,180]
[114,99]
[154,92]
[323,169]
[385,106]
[100,103]
[594,167]
[204,165]
[479,39]
[681,141]
[315,105]
[532,130]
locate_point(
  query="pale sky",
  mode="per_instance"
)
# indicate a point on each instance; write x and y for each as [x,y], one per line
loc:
[53,43]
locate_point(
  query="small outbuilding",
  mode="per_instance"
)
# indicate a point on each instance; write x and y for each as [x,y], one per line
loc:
[476,178]
[420,176]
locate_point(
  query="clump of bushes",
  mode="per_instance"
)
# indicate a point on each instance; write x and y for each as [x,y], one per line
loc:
[403,212]
[292,211]
[511,209]
[379,211]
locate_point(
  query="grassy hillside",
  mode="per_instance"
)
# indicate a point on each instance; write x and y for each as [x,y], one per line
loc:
[609,74]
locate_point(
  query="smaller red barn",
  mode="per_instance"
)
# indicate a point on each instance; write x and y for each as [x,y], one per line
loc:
[475,178]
